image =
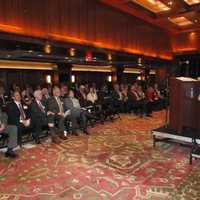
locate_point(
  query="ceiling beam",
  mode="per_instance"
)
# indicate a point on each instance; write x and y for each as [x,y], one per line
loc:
[185,9]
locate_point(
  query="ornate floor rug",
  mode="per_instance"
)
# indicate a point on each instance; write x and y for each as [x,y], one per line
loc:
[116,162]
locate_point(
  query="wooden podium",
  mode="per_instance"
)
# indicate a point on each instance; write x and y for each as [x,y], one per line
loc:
[184,110]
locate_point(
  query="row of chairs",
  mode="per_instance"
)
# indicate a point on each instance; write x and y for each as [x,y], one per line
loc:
[104,111]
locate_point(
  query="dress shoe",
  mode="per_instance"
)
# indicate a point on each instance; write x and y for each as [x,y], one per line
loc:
[11,154]
[56,140]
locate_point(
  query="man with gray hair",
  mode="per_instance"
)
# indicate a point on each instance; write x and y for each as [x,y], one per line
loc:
[11,130]
[39,115]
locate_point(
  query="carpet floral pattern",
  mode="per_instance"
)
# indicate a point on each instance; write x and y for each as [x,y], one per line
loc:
[116,162]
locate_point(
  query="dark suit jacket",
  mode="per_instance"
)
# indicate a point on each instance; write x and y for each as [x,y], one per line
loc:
[3,117]
[132,97]
[14,114]
[53,105]
[115,95]
[45,101]
[36,114]
[83,102]
[68,105]
[116,98]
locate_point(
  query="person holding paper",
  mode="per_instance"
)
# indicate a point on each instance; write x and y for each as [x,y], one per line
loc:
[55,106]
[71,103]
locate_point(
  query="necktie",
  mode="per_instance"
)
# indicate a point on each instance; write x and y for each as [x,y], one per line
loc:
[60,105]
[41,107]
[22,113]
[137,95]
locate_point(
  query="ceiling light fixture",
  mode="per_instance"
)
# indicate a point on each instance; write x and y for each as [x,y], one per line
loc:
[155,6]
[180,21]
[47,48]
[72,52]
[192,2]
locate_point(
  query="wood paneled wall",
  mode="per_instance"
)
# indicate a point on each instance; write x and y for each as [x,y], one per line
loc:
[22,77]
[185,42]
[84,21]
[91,77]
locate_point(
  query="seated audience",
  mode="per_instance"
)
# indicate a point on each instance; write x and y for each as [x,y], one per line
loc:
[57,117]
[27,114]
[11,130]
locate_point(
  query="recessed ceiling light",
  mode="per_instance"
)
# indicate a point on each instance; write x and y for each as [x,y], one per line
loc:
[192,2]
[180,21]
[155,6]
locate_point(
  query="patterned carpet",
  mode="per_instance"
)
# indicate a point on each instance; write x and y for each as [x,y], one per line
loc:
[116,162]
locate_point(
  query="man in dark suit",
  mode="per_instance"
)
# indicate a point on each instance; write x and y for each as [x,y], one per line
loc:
[39,118]
[17,115]
[11,130]
[76,112]
[55,106]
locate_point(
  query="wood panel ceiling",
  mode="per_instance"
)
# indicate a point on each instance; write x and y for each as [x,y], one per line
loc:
[176,16]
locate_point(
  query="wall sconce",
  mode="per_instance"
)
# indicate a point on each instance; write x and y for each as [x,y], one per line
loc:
[72,52]
[140,61]
[47,48]
[73,79]
[141,78]
[48,79]
[109,78]
[109,56]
